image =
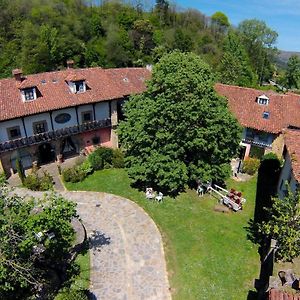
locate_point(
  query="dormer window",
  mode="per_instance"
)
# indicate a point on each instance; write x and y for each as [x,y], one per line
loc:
[263,100]
[28,94]
[78,86]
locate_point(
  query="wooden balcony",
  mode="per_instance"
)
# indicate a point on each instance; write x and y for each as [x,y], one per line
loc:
[53,135]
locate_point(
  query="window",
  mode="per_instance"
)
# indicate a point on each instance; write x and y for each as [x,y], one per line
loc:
[263,137]
[266,115]
[250,134]
[29,94]
[40,127]
[79,86]
[14,132]
[62,118]
[86,116]
[263,100]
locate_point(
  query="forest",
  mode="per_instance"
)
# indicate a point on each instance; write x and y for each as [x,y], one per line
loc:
[40,35]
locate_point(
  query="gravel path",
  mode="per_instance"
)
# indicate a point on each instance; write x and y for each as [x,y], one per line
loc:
[127,257]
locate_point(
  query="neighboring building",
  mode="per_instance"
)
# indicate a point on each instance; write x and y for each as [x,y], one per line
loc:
[57,114]
[290,173]
[263,115]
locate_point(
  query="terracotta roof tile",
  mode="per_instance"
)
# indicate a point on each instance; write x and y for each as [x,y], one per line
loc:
[292,142]
[54,93]
[284,109]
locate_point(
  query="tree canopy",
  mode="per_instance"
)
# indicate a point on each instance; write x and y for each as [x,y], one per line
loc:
[292,76]
[39,36]
[179,130]
[283,225]
[36,238]
[235,67]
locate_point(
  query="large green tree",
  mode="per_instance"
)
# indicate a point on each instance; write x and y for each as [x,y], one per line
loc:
[179,129]
[36,237]
[283,225]
[235,67]
[259,41]
[292,75]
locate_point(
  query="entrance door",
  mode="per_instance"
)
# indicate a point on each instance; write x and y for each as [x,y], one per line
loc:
[68,148]
[46,153]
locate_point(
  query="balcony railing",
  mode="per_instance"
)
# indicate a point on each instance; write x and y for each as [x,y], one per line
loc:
[250,140]
[53,135]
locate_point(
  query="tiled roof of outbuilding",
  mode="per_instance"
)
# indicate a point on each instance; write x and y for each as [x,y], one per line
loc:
[283,109]
[54,93]
[292,142]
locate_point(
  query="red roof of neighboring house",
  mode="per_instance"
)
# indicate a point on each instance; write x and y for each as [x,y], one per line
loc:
[54,93]
[283,108]
[275,294]
[292,142]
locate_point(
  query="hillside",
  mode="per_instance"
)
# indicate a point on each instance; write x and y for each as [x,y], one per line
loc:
[284,56]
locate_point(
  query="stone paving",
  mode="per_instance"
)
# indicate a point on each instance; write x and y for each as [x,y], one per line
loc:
[127,257]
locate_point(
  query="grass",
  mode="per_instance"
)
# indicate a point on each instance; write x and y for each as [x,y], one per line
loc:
[82,281]
[208,255]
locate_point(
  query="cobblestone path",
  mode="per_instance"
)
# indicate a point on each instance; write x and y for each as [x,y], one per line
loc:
[127,257]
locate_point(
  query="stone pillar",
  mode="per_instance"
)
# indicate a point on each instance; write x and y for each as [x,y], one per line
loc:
[247,152]
[114,123]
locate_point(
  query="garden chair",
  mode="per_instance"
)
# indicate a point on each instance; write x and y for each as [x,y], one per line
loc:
[159,197]
[149,193]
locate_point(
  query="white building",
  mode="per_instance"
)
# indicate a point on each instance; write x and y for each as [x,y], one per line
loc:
[56,114]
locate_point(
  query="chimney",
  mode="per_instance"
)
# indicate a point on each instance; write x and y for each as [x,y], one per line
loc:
[70,64]
[17,73]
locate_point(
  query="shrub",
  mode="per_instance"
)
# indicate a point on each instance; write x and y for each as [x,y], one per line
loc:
[20,170]
[32,182]
[36,183]
[101,158]
[118,158]
[77,173]
[46,182]
[251,165]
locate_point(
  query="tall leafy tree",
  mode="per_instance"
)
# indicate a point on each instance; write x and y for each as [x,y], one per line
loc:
[179,129]
[259,41]
[220,21]
[292,75]
[283,225]
[235,67]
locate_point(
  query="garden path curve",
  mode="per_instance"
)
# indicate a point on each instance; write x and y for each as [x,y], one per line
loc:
[127,257]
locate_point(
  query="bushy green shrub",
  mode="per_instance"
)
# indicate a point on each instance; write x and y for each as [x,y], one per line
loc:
[118,158]
[39,183]
[269,155]
[101,158]
[77,173]
[32,182]
[46,182]
[251,165]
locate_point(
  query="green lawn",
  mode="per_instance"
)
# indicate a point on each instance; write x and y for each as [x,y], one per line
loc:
[208,254]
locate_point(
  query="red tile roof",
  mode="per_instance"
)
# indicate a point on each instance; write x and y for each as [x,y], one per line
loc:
[292,142]
[283,108]
[275,294]
[54,93]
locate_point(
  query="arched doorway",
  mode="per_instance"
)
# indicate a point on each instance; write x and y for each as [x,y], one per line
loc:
[68,148]
[46,153]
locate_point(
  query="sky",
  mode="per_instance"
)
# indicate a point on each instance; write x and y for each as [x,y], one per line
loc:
[283,16]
